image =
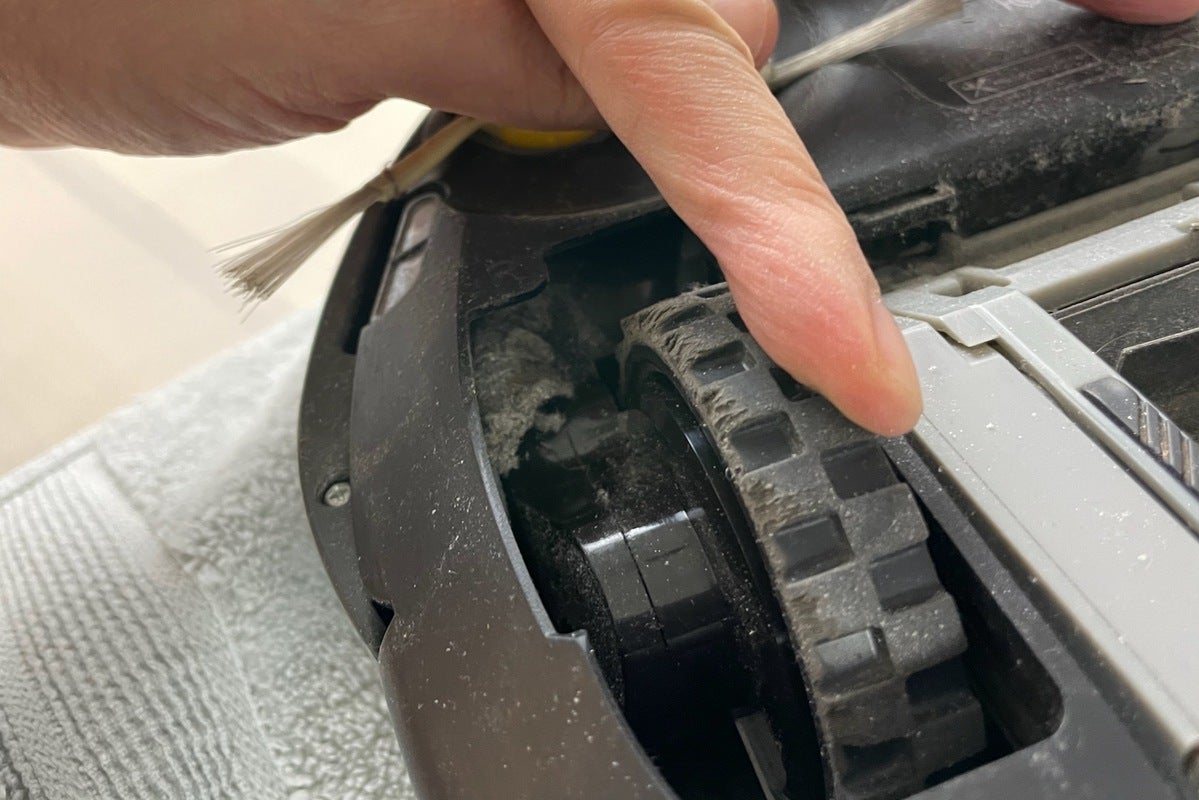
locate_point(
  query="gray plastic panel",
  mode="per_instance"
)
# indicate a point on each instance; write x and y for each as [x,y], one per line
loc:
[1118,566]
[1099,520]
[1069,274]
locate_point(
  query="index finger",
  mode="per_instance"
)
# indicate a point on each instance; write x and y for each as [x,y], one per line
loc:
[679,87]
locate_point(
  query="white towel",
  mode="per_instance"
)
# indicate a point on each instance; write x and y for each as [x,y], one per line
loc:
[166,627]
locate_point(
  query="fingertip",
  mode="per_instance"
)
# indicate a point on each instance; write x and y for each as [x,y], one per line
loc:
[897,373]
[860,362]
[870,378]
[889,402]
[889,413]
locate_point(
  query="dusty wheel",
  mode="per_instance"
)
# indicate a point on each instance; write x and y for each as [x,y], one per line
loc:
[843,540]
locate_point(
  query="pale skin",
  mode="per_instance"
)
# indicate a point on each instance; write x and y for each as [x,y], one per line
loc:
[676,80]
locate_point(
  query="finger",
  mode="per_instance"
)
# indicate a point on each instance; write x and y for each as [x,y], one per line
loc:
[1152,12]
[227,73]
[484,58]
[680,89]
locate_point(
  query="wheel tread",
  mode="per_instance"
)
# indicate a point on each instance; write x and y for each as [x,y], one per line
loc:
[845,543]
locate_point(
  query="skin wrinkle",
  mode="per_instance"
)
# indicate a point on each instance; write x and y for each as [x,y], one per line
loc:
[306,89]
[751,171]
[305,101]
[569,99]
[777,268]
[683,63]
[727,185]
[755,182]
[285,120]
[31,67]
[795,273]
[629,30]
[841,341]
[205,114]
[525,82]
[809,221]
[678,70]
[785,286]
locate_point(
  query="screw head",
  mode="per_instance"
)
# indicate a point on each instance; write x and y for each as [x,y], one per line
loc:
[337,495]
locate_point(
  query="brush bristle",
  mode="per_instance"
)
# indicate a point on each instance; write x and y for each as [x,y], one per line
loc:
[255,274]
[861,40]
[263,263]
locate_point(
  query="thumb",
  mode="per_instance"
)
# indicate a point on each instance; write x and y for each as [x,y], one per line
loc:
[1152,12]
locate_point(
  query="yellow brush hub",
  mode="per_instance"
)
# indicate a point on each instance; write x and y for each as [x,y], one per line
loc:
[537,140]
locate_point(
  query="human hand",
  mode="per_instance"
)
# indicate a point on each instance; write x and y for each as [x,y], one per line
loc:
[676,80]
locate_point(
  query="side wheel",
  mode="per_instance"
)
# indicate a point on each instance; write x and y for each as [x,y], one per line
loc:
[842,540]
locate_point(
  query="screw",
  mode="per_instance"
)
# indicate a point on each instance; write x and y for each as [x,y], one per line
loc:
[337,495]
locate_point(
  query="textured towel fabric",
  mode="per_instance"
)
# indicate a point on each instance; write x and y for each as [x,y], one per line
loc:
[166,628]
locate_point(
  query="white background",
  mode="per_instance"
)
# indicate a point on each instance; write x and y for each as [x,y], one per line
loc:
[106,272]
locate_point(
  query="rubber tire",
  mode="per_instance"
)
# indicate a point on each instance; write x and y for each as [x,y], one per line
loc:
[844,542]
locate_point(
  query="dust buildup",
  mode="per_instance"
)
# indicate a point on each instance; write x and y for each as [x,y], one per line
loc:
[516,374]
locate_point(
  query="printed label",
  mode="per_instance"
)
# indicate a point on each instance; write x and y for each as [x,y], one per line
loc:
[1019,75]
